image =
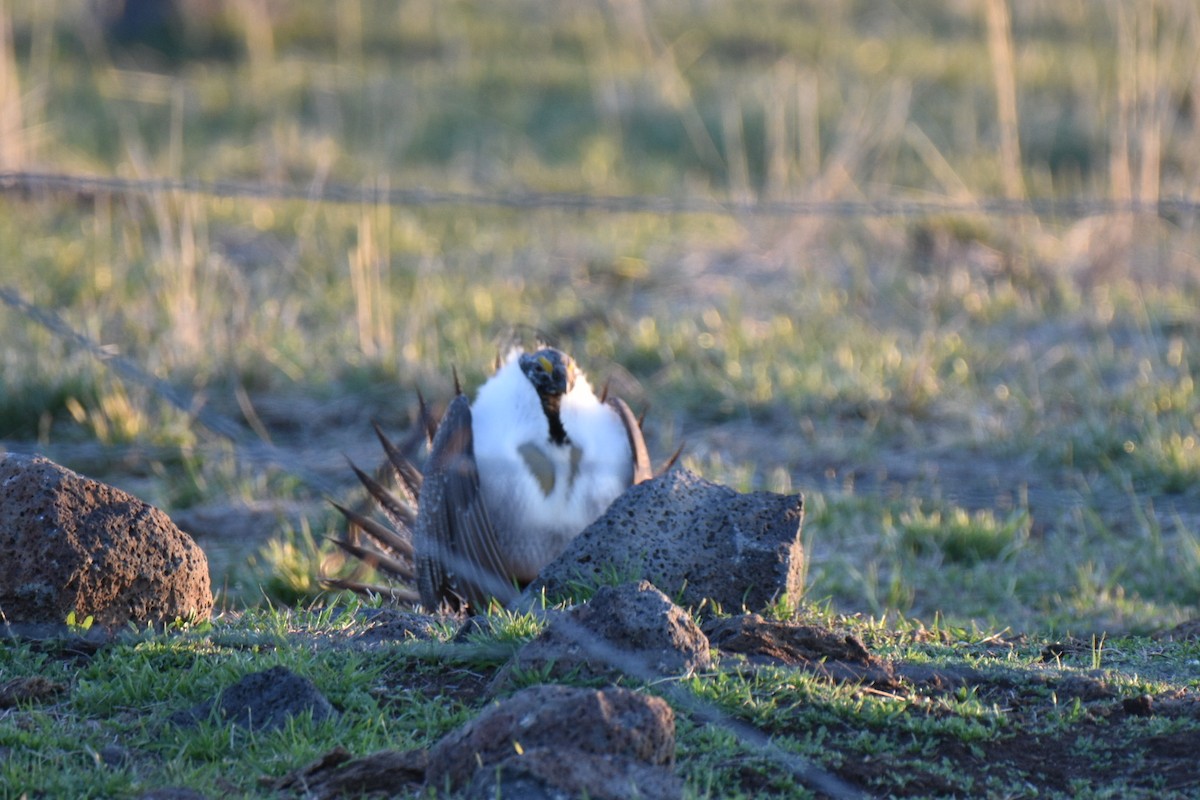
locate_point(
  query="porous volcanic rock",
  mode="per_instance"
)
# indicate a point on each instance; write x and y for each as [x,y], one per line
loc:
[72,544]
[837,656]
[337,774]
[543,742]
[554,773]
[694,540]
[632,628]
[262,701]
[610,722]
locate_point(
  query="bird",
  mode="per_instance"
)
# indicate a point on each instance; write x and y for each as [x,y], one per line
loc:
[510,479]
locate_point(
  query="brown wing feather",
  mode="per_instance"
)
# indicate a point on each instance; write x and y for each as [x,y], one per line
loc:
[642,471]
[456,552]
[378,531]
[394,507]
[374,558]
[410,476]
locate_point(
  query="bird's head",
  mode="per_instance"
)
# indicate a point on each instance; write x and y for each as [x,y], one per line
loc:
[552,372]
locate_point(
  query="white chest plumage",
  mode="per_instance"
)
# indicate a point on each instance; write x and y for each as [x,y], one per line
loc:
[539,493]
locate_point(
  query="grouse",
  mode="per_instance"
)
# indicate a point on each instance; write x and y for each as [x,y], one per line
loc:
[509,480]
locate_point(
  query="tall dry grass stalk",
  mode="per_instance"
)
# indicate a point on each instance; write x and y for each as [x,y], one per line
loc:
[258,31]
[1000,49]
[370,267]
[791,111]
[737,161]
[350,32]
[1154,47]
[12,135]
[637,31]
[179,220]
[871,125]
[1155,42]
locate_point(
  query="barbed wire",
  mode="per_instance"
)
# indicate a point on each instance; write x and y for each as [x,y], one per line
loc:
[379,194]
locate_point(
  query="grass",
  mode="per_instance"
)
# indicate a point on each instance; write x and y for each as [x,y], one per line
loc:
[107,726]
[992,418]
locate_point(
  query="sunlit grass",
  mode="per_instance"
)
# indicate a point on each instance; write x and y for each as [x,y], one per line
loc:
[961,536]
[288,567]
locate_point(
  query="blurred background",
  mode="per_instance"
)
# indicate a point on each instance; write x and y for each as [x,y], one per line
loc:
[932,264]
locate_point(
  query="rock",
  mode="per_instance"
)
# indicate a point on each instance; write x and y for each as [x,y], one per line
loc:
[694,540]
[387,625]
[829,654]
[262,701]
[32,689]
[71,544]
[1183,632]
[613,722]
[1140,706]
[172,793]
[336,774]
[115,756]
[566,774]
[632,628]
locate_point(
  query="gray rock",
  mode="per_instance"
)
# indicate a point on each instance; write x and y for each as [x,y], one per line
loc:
[613,721]
[262,701]
[172,793]
[71,544]
[388,625]
[555,773]
[836,656]
[693,539]
[337,774]
[633,628]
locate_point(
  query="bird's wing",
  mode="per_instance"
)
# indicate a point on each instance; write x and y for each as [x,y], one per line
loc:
[642,471]
[458,560]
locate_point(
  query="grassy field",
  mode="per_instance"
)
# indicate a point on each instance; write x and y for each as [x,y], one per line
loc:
[992,416]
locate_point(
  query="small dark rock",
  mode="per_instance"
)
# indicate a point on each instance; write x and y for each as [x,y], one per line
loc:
[1140,706]
[1057,651]
[830,654]
[1183,632]
[262,701]
[693,539]
[632,628]
[113,755]
[1084,687]
[33,689]
[390,624]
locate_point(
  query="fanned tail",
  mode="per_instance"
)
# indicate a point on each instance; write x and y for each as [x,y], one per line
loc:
[385,548]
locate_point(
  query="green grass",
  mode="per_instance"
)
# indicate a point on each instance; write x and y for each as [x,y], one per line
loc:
[108,731]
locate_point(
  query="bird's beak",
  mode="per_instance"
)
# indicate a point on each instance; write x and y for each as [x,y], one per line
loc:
[547,367]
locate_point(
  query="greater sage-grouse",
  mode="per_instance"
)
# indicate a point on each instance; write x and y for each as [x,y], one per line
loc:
[509,480]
